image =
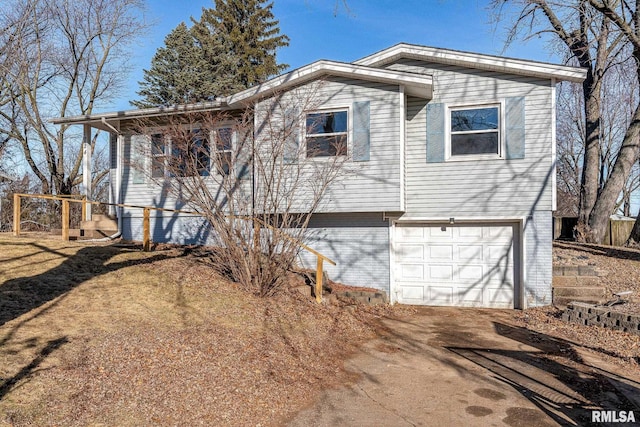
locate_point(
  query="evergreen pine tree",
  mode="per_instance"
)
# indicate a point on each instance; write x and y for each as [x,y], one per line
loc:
[173,77]
[231,47]
[252,36]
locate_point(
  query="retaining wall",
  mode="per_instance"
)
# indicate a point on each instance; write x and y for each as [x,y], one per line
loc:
[605,317]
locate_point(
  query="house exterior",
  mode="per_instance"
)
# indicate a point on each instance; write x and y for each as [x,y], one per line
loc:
[452,188]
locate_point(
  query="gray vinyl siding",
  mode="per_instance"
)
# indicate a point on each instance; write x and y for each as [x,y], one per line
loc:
[358,243]
[364,186]
[538,249]
[167,228]
[481,188]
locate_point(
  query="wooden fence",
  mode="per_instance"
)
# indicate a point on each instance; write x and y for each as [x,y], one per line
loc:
[146,226]
[617,234]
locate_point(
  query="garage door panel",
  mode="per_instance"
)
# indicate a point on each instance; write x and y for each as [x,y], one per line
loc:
[439,234]
[501,297]
[467,232]
[411,251]
[441,252]
[455,265]
[470,253]
[441,272]
[473,273]
[498,232]
[409,234]
[441,295]
[413,293]
[497,253]
[412,272]
[471,297]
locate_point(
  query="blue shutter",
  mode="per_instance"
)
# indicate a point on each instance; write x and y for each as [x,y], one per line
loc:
[292,130]
[137,166]
[514,128]
[435,132]
[361,131]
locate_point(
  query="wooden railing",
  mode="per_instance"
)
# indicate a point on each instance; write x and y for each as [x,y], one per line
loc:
[146,225]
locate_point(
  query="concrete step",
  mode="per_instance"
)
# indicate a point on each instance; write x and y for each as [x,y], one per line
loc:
[103,224]
[562,302]
[564,281]
[79,234]
[98,234]
[101,217]
[575,270]
[581,291]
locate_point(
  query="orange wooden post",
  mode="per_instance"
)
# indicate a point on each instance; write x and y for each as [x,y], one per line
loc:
[319,281]
[65,220]
[146,230]
[84,209]
[16,214]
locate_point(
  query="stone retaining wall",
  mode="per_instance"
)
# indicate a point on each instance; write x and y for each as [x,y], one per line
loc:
[606,317]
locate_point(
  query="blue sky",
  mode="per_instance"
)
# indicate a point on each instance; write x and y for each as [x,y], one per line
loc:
[369,26]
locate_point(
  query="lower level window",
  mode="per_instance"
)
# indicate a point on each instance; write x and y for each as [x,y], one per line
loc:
[475,131]
[326,133]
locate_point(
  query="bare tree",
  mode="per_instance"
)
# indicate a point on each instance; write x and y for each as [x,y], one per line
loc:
[570,150]
[60,58]
[595,41]
[251,179]
[624,15]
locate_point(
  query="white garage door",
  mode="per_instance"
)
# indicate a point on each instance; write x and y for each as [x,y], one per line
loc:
[454,265]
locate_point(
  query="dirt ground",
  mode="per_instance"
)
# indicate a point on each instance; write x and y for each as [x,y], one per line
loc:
[103,335]
[619,271]
[106,335]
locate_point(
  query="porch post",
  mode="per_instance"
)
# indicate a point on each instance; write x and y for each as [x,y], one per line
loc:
[86,168]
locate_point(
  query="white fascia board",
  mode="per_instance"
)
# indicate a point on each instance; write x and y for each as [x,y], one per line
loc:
[475,60]
[101,120]
[418,84]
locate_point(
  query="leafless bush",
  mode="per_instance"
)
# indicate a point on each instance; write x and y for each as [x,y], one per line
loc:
[254,177]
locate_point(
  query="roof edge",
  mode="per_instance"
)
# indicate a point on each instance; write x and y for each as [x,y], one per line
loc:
[474,60]
[320,68]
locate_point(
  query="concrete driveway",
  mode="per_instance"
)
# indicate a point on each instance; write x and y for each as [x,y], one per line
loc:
[471,367]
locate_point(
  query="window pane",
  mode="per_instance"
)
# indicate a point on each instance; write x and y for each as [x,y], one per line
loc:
[157,167]
[201,150]
[333,122]
[223,162]
[223,139]
[327,146]
[157,144]
[474,119]
[475,143]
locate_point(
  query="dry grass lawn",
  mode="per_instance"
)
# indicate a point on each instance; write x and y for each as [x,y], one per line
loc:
[104,335]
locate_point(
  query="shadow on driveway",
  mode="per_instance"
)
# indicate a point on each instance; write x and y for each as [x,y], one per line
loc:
[446,366]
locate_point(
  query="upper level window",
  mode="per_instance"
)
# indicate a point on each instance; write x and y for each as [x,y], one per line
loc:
[326,133]
[475,131]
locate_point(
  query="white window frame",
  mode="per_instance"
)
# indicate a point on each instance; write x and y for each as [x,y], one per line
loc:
[168,151]
[213,150]
[166,144]
[501,131]
[347,133]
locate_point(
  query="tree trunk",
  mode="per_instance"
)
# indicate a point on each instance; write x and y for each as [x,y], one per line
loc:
[606,202]
[634,237]
[591,166]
